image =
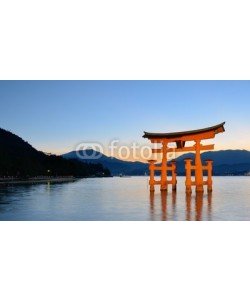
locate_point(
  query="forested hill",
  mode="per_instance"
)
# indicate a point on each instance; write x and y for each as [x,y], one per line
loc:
[19,159]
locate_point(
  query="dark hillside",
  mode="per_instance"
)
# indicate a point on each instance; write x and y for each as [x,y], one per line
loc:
[19,159]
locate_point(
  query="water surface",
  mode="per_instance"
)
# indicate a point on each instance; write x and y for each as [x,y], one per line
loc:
[125,199]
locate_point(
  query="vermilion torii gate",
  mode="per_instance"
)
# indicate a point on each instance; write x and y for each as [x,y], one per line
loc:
[180,139]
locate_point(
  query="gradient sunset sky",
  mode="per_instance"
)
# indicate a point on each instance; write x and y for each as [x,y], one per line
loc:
[54,116]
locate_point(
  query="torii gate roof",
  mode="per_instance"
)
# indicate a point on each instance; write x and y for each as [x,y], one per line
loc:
[185,134]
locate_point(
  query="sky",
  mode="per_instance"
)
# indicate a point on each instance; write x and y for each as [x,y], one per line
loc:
[55,116]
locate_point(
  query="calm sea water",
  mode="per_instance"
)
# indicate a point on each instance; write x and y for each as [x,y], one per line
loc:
[125,199]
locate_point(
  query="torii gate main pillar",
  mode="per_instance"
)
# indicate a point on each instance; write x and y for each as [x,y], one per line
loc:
[198,167]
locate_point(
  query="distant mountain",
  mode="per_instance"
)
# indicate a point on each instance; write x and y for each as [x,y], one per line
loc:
[227,162]
[116,166]
[19,159]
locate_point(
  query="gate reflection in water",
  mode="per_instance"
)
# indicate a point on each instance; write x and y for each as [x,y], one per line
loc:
[196,206]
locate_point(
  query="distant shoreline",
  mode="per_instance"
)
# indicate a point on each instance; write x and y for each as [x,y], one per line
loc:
[72,179]
[41,180]
[45,180]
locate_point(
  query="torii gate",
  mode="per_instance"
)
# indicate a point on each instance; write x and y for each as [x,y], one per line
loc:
[180,138]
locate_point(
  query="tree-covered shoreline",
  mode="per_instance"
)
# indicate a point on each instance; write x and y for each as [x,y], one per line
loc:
[19,159]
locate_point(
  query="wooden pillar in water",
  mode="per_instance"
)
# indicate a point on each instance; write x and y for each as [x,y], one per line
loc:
[164,184]
[198,168]
[174,176]
[152,175]
[209,175]
[188,167]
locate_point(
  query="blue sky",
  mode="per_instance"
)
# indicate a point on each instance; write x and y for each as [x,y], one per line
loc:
[54,116]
